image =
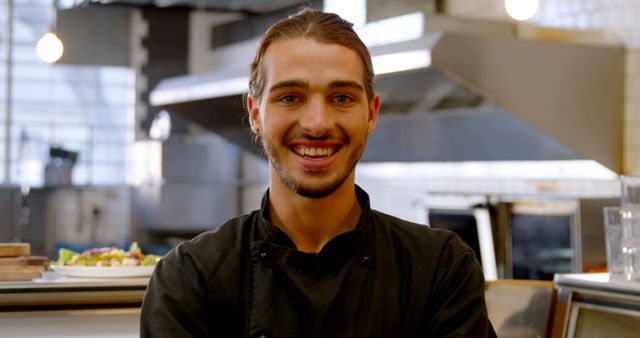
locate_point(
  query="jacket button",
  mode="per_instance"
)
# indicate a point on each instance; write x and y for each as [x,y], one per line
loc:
[365,261]
[261,334]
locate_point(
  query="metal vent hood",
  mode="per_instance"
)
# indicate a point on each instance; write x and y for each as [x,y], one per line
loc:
[493,91]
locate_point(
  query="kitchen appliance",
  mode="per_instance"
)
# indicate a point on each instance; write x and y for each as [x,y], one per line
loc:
[78,217]
[541,236]
[524,237]
[59,169]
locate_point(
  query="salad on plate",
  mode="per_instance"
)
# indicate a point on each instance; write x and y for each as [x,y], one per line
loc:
[106,257]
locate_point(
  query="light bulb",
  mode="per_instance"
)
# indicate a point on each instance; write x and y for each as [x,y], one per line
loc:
[160,127]
[49,48]
[521,9]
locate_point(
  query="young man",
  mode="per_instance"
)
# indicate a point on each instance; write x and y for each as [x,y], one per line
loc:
[315,260]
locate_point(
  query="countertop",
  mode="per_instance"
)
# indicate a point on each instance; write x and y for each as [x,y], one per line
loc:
[54,290]
[597,282]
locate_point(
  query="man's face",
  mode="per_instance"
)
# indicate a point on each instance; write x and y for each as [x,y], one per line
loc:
[314,115]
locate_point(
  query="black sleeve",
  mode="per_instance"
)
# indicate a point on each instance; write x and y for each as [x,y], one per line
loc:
[462,311]
[174,303]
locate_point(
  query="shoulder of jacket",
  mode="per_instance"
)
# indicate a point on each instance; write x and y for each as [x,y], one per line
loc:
[418,235]
[215,244]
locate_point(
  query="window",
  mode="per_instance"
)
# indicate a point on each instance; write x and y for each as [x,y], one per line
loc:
[86,109]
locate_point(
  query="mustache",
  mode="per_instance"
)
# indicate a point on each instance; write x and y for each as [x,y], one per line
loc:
[332,136]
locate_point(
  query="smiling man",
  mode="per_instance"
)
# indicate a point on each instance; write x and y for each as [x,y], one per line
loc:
[316,260]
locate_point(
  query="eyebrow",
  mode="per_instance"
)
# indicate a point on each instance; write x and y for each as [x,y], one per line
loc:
[304,85]
[289,84]
[346,84]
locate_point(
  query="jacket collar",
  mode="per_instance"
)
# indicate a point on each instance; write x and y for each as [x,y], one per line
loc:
[347,241]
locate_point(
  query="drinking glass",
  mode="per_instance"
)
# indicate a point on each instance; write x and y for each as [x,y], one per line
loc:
[613,241]
[630,190]
[630,220]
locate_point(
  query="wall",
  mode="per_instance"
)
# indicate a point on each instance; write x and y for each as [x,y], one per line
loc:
[382,9]
[619,18]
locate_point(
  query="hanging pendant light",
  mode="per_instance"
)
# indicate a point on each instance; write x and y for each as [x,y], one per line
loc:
[521,10]
[49,47]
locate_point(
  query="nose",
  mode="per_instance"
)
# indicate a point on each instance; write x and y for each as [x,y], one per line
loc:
[317,119]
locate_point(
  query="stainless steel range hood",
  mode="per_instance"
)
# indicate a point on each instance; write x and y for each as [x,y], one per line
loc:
[489,94]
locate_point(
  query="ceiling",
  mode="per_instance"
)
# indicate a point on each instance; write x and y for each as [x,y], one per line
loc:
[246,6]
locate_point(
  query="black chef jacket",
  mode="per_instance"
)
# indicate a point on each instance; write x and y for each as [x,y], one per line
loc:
[386,278]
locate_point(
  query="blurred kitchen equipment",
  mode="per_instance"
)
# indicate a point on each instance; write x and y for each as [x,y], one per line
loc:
[630,190]
[613,241]
[199,189]
[58,170]
[469,216]
[78,217]
[525,236]
[545,235]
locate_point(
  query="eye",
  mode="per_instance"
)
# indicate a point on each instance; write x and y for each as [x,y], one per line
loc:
[343,98]
[289,99]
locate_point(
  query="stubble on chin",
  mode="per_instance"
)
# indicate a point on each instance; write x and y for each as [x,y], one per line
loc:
[308,189]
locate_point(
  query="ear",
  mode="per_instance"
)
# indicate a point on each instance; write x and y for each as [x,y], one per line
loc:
[374,108]
[253,106]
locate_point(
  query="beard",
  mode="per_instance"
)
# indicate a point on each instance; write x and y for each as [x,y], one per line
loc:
[310,186]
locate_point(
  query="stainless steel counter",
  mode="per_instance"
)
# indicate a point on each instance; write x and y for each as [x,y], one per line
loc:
[55,291]
[66,307]
[597,282]
[595,306]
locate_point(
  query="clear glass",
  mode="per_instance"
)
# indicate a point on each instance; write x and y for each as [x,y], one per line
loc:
[630,190]
[630,219]
[613,241]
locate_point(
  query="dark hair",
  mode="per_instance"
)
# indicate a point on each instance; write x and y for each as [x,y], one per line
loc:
[317,25]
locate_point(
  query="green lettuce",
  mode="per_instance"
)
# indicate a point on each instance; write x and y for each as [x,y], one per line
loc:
[64,255]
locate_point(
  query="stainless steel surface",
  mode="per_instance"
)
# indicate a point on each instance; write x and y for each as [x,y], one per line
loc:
[80,216]
[597,282]
[594,306]
[566,90]
[54,290]
[200,189]
[594,321]
[484,133]
[123,322]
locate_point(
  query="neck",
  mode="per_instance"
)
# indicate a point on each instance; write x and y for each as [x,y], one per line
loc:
[312,222]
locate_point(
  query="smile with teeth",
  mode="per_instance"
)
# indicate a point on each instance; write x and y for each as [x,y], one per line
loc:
[314,152]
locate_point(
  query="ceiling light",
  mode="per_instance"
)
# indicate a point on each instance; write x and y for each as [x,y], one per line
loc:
[398,62]
[521,9]
[49,48]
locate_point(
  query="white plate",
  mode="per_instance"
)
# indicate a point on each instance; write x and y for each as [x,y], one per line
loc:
[104,271]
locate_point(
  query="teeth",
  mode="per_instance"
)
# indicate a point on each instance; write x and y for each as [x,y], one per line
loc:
[313,152]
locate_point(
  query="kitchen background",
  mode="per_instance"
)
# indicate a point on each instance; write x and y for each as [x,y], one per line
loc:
[87,157]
